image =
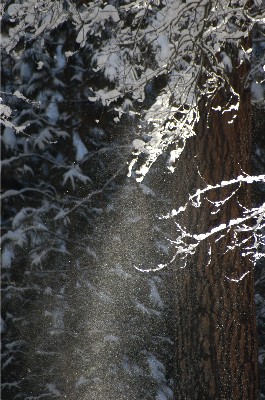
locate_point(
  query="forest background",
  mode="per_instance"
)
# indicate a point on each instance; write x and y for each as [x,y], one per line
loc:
[133,154]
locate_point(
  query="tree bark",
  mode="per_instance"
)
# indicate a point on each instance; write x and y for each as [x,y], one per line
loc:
[215,333]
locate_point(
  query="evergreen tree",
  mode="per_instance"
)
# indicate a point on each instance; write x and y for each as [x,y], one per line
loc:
[90,90]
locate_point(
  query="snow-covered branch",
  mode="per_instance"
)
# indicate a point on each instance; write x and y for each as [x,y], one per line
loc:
[252,222]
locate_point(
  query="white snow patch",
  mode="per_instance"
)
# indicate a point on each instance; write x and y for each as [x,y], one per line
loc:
[75,173]
[203,236]
[60,57]
[13,9]
[157,369]
[106,97]
[110,11]
[80,148]
[227,61]
[7,257]
[39,65]
[257,91]
[9,138]
[154,294]
[52,112]
[164,45]
[138,144]
[2,325]
[69,54]
[25,71]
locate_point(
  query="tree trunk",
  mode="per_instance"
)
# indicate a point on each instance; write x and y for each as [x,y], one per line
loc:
[215,353]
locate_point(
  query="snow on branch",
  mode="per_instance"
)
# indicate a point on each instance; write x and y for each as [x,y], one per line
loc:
[252,223]
[177,36]
[254,231]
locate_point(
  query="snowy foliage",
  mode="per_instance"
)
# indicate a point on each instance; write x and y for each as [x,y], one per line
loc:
[73,75]
[253,243]
[179,38]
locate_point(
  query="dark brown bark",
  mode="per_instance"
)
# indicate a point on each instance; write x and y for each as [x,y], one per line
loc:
[215,317]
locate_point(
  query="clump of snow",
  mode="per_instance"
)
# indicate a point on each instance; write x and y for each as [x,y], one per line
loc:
[75,173]
[157,369]
[2,325]
[174,155]
[80,148]
[60,57]
[25,71]
[111,12]
[95,15]
[52,110]
[7,257]
[164,45]
[13,9]
[20,96]
[106,97]
[68,54]
[20,217]
[111,65]
[154,294]
[44,137]
[257,91]
[9,138]
[39,65]
[5,111]
[226,61]
[138,144]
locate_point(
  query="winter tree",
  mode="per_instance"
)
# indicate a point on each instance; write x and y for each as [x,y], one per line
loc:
[61,173]
[96,90]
